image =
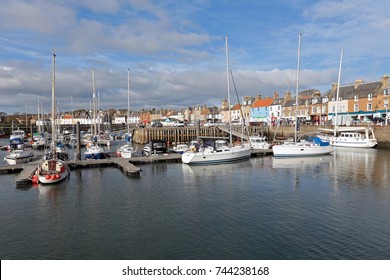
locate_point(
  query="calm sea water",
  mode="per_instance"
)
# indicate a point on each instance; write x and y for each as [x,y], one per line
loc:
[332,207]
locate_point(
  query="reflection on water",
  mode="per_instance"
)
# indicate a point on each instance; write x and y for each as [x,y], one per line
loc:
[329,207]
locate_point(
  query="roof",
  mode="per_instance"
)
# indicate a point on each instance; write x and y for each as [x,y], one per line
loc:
[361,91]
[236,107]
[263,102]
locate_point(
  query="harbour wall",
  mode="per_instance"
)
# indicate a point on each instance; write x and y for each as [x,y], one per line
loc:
[187,134]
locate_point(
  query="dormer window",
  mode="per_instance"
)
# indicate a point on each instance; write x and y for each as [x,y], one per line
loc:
[356,98]
[386,92]
[370,96]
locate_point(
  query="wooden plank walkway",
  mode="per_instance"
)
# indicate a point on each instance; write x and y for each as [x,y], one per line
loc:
[121,163]
[126,165]
[26,174]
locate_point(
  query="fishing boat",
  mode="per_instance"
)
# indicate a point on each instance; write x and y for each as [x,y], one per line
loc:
[311,146]
[52,169]
[219,151]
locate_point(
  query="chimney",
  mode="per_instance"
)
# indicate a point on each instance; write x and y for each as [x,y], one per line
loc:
[276,95]
[358,83]
[287,96]
[258,97]
[385,81]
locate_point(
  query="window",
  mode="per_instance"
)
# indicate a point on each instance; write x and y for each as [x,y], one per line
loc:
[356,107]
[370,96]
[334,109]
[313,110]
[356,98]
[386,92]
[369,106]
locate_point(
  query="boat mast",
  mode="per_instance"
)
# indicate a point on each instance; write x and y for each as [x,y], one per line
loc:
[53,104]
[297,87]
[94,102]
[337,93]
[228,89]
[128,100]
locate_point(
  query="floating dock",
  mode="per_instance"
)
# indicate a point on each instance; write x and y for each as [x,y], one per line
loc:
[126,165]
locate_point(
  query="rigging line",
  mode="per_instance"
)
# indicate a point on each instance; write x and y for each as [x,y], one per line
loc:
[238,100]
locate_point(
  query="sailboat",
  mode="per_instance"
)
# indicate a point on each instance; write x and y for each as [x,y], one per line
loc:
[127,151]
[352,137]
[218,151]
[52,169]
[312,146]
[93,150]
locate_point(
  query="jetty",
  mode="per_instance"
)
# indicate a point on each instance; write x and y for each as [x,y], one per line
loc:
[126,165]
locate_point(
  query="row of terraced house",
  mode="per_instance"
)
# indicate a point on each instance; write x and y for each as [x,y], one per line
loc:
[359,101]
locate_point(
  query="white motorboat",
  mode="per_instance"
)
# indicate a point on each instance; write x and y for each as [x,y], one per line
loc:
[95,151]
[125,151]
[259,142]
[38,142]
[17,134]
[180,148]
[19,156]
[352,137]
[220,151]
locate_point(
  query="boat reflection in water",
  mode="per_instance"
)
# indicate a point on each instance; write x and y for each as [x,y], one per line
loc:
[301,162]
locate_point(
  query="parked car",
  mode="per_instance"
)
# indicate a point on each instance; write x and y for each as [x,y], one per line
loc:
[208,124]
[157,124]
[378,120]
[178,124]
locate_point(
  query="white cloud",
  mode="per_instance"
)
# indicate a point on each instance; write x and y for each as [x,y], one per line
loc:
[175,49]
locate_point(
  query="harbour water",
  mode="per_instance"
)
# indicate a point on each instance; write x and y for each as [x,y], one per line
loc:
[330,207]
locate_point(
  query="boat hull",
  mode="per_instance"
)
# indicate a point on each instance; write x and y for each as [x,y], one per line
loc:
[300,149]
[19,157]
[95,155]
[53,171]
[354,144]
[234,154]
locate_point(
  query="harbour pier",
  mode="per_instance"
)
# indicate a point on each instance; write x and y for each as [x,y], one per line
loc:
[126,165]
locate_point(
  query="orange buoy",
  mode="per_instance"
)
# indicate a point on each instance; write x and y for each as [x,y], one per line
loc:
[34,180]
[53,177]
[58,176]
[48,177]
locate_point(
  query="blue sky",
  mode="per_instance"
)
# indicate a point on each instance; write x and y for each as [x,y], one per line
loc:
[176,49]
